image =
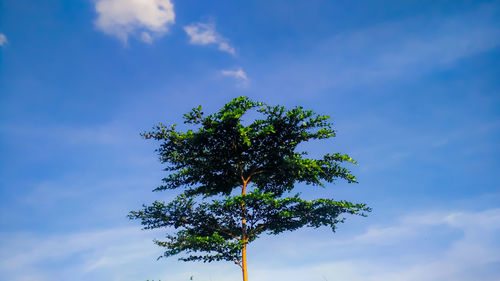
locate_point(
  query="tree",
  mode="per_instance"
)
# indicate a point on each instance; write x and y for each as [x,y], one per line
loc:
[235,179]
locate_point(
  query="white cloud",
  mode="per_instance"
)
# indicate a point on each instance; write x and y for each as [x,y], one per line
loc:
[237,74]
[3,39]
[205,34]
[143,18]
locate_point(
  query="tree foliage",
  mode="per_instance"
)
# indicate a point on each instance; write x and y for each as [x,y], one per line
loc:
[220,156]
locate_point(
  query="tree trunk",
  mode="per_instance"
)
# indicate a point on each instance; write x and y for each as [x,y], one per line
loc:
[244,234]
[244,262]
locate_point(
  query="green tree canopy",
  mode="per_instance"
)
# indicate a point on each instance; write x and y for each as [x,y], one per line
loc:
[220,156]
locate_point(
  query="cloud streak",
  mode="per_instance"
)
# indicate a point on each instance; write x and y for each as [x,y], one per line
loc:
[205,34]
[238,74]
[144,19]
[3,39]
[91,251]
[388,52]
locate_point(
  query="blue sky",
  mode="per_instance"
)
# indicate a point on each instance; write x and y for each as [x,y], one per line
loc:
[413,88]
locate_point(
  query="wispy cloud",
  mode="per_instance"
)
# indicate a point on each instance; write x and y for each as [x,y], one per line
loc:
[205,34]
[91,250]
[106,133]
[436,245]
[237,74]
[388,52]
[412,226]
[468,250]
[3,39]
[145,19]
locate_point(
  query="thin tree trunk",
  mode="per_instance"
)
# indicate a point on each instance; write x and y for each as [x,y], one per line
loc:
[244,262]
[244,234]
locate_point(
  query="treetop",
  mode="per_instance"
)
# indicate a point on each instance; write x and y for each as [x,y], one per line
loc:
[220,152]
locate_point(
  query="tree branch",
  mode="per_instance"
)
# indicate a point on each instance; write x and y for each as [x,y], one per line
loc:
[227,232]
[256,229]
[237,263]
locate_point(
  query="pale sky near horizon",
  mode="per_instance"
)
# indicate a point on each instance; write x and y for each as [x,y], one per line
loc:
[412,86]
